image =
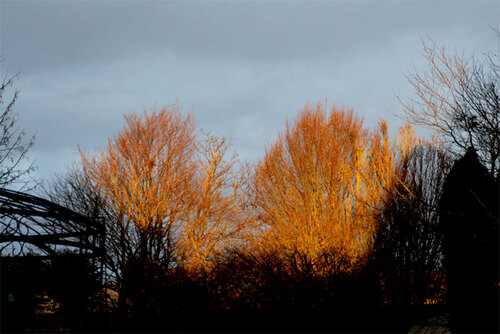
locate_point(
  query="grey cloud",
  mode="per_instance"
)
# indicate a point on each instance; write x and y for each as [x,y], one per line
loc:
[243,67]
[57,34]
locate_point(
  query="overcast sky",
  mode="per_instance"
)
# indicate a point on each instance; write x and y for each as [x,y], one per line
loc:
[242,68]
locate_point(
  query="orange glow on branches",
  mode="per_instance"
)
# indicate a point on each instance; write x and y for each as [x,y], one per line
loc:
[319,184]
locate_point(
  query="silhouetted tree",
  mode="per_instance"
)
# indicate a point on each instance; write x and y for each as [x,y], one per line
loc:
[74,190]
[408,247]
[469,217]
[459,99]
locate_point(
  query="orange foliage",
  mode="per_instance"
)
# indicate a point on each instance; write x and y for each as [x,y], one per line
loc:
[319,184]
[178,199]
[175,199]
[145,173]
[216,217]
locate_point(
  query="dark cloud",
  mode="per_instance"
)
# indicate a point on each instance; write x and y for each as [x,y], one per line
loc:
[242,67]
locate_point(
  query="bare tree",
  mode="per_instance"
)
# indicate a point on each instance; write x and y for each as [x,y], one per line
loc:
[459,98]
[408,248]
[73,190]
[14,161]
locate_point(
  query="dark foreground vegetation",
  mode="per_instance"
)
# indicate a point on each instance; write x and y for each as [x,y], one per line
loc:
[243,295]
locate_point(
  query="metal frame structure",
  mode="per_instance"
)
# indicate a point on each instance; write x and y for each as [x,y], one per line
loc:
[30,224]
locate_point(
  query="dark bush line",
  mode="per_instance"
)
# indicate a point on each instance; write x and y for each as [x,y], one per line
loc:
[259,293]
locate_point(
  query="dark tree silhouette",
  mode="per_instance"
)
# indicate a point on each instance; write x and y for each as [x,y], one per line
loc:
[408,247]
[469,218]
[459,99]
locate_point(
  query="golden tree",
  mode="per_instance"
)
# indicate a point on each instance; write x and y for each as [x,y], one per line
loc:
[173,198]
[318,185]
[216,217]
[145,175]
